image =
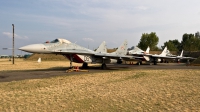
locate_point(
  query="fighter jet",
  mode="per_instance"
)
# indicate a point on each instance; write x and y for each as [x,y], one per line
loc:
[138,51]
[157,58]
[79,54]
[181,57]
[145,56]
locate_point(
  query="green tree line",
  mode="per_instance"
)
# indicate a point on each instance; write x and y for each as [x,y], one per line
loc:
[190,42]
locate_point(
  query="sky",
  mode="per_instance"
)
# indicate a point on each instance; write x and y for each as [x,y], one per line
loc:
[90,22]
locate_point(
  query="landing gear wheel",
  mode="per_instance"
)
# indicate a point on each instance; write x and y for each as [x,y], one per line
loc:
[139,63]
[85,65]
[155,63]
[103,66]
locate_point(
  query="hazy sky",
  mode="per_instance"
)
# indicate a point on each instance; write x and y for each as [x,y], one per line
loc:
[89,22]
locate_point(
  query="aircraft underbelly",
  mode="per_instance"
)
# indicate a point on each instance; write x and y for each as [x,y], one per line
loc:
[89,59]
[92,59]
[86,58]
[75,58]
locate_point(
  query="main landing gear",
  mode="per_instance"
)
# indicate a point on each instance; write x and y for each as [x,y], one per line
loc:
[103,66]
[85,65]
[154,61]
[139,63]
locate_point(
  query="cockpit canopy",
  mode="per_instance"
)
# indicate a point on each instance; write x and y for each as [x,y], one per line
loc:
[59,40]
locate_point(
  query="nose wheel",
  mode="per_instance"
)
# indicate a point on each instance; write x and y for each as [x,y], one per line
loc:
[71,59]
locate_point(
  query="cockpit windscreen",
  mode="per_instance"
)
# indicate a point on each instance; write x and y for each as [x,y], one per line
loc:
[54,41]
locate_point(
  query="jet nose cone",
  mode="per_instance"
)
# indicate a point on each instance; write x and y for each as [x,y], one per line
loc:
[34,48]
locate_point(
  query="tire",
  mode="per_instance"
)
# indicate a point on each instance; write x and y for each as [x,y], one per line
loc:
[103,66]
[85,65]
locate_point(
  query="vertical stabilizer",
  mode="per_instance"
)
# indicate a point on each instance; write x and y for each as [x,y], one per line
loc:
[181,55]
[164,52]
[122,50]
[147,50]
[102,48]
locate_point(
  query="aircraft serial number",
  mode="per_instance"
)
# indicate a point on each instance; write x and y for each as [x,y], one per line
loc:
[86,58]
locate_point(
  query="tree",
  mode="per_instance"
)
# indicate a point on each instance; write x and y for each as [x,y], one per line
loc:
[150,40]
[197,34]
[190,42]
[172,45]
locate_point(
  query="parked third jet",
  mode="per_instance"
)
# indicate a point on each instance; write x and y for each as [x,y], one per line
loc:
[156,58]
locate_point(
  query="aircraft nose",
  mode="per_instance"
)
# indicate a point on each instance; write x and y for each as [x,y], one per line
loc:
[34,48]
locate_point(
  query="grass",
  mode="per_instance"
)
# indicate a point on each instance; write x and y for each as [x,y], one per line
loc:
[21,64]
[134,90]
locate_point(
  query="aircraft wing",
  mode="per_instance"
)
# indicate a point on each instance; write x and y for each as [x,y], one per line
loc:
[142,54]
[185,58]
[113,56]
[159,56]
[73,51]
[171,57]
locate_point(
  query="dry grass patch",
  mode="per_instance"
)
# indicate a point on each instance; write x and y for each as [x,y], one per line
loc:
[137,90]
[20,64]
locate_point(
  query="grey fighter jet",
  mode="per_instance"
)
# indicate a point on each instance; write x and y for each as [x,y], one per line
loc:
[145,56]
[138,51]
[79,54]
[156,58]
